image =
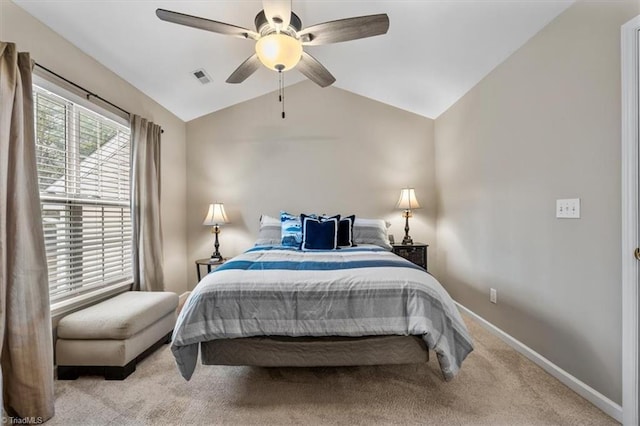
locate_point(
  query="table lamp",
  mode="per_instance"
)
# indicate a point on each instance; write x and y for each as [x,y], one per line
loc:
[407,202]
[215,218]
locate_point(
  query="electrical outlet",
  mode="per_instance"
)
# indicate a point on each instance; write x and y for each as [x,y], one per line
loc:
[493,295]
[568,208]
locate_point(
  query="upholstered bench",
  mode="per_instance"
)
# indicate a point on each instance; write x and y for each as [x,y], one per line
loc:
[110,337]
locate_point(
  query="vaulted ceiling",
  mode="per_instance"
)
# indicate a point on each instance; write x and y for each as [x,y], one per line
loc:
[434,52]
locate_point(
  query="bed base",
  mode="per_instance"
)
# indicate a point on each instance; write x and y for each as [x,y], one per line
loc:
[276,351]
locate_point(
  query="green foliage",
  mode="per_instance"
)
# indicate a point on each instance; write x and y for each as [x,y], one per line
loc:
[51,130]
[93,134]
[54,121]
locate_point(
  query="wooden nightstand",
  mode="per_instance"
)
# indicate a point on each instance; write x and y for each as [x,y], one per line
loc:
[416,253]
[211,265]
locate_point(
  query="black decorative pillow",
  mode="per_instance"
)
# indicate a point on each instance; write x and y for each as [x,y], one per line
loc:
[319,235]
[345,231]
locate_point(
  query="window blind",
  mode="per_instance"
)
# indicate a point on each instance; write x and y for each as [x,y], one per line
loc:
[83,176]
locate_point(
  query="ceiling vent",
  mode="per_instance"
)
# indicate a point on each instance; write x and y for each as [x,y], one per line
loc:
[202,76]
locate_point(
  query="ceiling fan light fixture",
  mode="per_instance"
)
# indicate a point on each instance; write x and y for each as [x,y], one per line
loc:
[279,40]
[278,51]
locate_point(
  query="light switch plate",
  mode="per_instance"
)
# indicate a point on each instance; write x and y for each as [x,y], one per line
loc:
[568,208]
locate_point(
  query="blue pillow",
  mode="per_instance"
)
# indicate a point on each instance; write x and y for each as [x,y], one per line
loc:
[291,229]
[345,231]
[319,235]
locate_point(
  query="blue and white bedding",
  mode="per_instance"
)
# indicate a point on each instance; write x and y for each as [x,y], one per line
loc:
[356,291]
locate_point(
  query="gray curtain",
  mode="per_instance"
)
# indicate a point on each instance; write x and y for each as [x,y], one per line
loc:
[26,360]
[145,205]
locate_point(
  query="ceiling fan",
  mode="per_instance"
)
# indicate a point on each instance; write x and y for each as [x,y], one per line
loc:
[280,38]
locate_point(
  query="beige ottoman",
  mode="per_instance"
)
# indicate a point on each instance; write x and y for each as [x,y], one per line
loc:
[110,337]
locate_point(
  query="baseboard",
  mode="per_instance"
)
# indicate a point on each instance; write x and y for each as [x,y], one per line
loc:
[587,392]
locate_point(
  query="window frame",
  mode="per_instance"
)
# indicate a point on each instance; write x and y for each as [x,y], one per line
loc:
[96,292]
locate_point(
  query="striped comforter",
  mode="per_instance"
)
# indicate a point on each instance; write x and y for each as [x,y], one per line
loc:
[357,291]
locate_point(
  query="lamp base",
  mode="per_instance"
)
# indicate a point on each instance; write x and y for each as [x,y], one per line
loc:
[216,254]
[407,240]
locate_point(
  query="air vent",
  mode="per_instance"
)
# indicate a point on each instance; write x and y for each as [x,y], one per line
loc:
[202,76]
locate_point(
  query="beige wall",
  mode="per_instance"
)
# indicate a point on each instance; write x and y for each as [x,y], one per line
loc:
[544,125]
[57,54]
[336,152]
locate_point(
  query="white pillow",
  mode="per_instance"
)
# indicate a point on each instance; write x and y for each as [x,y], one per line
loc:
[269,221]
[371,231]
[270,233]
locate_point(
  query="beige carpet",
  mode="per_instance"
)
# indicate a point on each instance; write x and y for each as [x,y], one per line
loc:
[497,386]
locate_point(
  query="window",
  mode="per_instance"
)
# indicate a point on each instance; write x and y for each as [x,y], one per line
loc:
[83,175]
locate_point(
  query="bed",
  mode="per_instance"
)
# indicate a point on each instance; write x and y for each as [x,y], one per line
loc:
[277,306]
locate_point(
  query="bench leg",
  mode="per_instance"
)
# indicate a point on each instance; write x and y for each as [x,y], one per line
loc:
[67,373]
[72,372]
[119,373]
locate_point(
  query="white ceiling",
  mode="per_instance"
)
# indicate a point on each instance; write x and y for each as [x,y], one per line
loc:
[434,52]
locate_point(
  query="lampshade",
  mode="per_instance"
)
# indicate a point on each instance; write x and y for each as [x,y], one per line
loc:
[408,200]
[279,51]
[215,215]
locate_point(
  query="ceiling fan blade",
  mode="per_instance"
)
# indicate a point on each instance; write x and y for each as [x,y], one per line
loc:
[345,30]
[278,12]
[314,70]
[245,70]
[205,24]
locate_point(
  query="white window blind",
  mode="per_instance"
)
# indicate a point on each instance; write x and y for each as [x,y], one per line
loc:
[83,176]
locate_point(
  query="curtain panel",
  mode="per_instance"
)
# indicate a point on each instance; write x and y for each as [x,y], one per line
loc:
[26,360]
[148,274]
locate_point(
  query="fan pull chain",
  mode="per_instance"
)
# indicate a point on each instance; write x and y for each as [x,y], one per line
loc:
[281,90]
[282,96]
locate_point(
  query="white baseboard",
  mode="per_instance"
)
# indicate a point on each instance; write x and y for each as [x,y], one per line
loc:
[587,392]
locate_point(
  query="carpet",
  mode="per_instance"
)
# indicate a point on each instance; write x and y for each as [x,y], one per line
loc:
[496,386]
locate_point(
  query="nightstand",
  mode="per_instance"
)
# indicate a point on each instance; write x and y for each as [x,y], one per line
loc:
[416,253]
[211,265]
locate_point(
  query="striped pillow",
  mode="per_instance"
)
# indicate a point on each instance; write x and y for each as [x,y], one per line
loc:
[371,231]
[270,233]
